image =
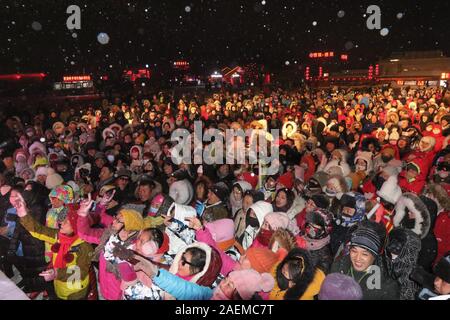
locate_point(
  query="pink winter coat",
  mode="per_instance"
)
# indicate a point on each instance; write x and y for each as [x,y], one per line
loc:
[109,285]
[228,263]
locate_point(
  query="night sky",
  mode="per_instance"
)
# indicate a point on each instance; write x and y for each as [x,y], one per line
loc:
[210,33]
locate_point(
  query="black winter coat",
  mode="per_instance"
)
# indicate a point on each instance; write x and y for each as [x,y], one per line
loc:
[322,258]
[33,260]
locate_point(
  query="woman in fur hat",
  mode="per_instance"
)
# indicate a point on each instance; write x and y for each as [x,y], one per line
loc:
[296,277]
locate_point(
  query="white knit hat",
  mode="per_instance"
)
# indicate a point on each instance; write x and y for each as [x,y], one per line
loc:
[390,191]
[53,179]
[181,192]
[41,171]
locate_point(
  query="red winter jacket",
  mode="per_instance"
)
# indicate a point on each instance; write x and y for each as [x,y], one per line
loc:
[415,187]
[442,233]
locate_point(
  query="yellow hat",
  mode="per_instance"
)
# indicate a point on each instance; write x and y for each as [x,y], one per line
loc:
[133,220]
[40,161]
[153,222]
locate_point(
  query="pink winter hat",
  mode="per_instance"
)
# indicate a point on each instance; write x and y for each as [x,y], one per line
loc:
[248,282]
[277,220]
[221,230]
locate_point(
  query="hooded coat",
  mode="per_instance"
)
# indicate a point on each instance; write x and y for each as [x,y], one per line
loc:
[422,225]
[402,266]
[176,286]
[261,209]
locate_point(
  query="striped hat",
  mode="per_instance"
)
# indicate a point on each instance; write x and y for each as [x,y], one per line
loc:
[366,238]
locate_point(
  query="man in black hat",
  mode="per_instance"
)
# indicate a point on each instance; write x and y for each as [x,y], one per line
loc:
[435,286]
[216,208]
[124,186]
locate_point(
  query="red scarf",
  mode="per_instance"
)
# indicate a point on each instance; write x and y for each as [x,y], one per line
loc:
[264,237]
[62,250]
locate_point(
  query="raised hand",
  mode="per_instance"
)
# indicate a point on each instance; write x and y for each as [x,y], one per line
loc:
[49,275]
[146,266]
[194,223]
[20,206]
[85,206]
[106,199]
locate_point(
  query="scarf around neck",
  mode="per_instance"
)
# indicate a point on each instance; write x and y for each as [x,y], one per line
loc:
[63,256]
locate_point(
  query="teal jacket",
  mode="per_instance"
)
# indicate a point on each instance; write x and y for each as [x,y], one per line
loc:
[181,289]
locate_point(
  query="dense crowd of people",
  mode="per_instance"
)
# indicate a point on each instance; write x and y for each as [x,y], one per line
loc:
[93,205]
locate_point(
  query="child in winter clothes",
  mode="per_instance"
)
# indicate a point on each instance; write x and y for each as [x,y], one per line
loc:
[60,196]
[124,231]
[71,255]
[136,285]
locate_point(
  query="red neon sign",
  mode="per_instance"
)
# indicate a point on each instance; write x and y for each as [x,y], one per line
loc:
[326,54]
[76,78]
[344,57]
[307,73]
[19,76]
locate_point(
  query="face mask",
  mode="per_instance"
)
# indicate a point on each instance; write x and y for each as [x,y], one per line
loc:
[264,236]
[110,158]
[386,159]
[149,248]
[313,232]
[251,221]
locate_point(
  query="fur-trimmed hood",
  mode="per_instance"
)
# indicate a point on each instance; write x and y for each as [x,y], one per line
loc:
[297,206]
[210,272]
[342,165]
[411,202]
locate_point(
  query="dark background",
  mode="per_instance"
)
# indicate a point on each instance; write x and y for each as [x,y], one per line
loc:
[212,35]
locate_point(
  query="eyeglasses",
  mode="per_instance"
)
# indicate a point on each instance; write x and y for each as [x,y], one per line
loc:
[184,261]
[124,178]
